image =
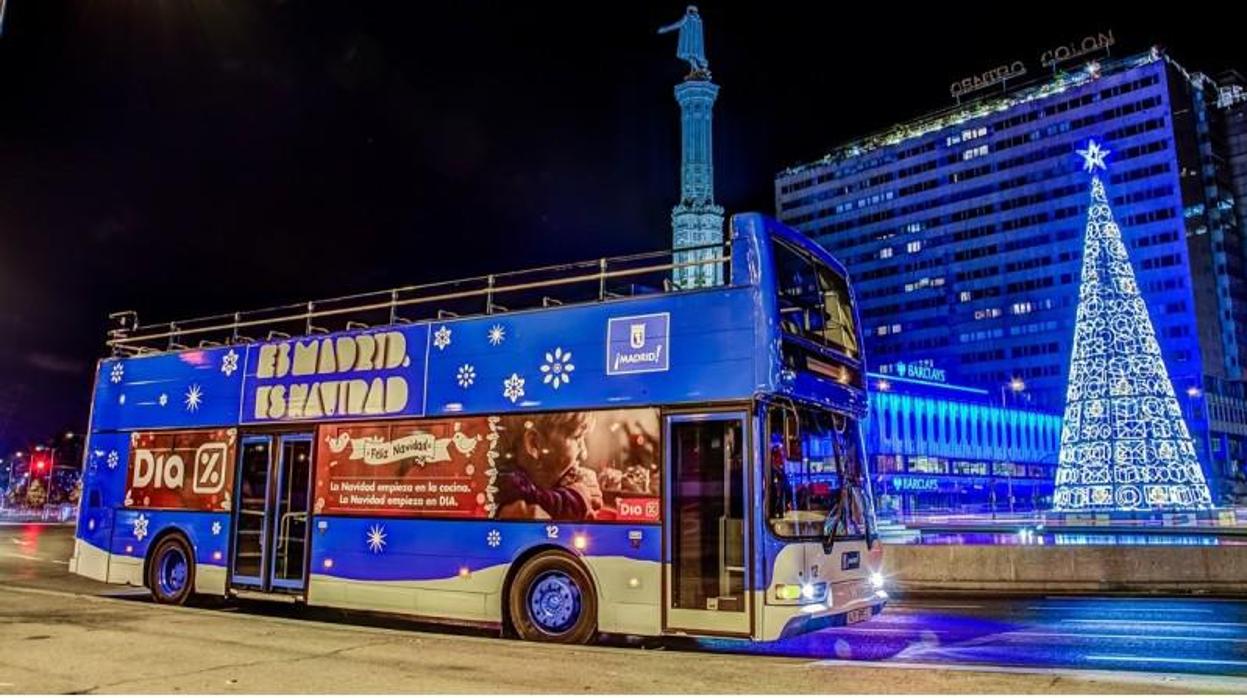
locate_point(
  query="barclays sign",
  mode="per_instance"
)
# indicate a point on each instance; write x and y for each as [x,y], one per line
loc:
[921,370]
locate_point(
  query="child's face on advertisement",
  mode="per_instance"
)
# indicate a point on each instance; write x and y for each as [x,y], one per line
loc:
[557,452]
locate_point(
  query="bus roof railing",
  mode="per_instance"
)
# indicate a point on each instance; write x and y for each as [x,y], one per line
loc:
[575,283]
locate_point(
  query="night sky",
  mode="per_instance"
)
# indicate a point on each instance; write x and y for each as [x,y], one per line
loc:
[183,157]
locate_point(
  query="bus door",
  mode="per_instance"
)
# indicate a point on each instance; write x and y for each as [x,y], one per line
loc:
[707,525]
[273,499]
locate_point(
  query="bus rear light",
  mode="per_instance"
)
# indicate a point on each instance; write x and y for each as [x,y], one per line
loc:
[216,555]
[465,572]
[580,542]
[328,563]
[876,580]
[634,583]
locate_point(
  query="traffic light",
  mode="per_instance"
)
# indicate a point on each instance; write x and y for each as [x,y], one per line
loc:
[39,464]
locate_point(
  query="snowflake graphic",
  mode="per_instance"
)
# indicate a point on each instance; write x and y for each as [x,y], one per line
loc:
[164,399]
[376,538]
[229,363]
[441,338]
[466,375]
[113,459]
[140,527]
[513,387]
[118,372]
[194,397]
[216,528]
[494,538]
[497,334]
[558,368]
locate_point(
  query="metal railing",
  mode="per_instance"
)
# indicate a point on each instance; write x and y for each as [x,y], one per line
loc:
[565,284]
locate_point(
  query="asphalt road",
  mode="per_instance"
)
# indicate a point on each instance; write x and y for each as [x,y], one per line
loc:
[63,633]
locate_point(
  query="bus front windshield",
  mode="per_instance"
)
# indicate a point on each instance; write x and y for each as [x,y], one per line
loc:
[818,486]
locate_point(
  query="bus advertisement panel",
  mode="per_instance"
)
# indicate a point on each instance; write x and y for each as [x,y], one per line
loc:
[563,466]
[185,470]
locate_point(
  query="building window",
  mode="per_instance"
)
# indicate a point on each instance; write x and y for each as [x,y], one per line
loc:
[925,464]
[1022,308]
[977,152]
[913,246]
[885,253]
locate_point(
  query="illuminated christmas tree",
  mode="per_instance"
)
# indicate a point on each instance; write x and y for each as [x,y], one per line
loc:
[1124,443]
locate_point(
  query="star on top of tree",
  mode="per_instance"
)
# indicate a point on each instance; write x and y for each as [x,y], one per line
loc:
[1093,157]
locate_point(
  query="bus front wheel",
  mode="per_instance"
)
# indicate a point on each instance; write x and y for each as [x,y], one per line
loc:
[171,573]
[552,600]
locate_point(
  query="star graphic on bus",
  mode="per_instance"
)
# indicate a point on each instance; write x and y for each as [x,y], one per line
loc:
[494,538]
[140,527]
[497,333]
[164,399]
[113,459]
[376,538]
[229,363]
[216,528]
[513,387]
[194,397]
[441,338]
[118,372]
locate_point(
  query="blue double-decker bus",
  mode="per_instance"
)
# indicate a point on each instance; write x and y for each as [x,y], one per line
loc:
[559,452]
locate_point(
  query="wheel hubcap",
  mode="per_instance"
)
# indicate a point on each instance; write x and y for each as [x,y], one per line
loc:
[554,602]
[171,572]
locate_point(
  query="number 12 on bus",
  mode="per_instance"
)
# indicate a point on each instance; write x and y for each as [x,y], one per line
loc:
[641,459]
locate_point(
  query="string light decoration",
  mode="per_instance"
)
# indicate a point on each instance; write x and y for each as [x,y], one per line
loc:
[1124,443]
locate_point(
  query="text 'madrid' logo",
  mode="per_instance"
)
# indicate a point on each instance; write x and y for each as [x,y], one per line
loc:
[638,344]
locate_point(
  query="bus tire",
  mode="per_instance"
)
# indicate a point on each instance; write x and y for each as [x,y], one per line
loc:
[552,599]
[171,572]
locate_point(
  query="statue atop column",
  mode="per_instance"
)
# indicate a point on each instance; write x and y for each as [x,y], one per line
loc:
[696,221]
[691,46]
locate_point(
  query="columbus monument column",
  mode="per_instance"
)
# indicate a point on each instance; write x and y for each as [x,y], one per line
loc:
[696,221]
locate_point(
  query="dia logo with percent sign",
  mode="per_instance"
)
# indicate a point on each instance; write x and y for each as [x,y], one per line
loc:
[157,477]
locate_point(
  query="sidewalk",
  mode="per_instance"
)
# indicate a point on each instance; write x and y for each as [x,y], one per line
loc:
[128,647]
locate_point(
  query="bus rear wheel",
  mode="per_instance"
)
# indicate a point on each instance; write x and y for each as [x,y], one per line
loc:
[171,573]
[552,600]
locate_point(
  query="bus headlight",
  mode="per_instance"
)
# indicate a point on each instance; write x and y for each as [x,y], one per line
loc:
[876,580]
[807,592]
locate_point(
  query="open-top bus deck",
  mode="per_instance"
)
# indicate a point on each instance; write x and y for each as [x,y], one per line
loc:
[558,452]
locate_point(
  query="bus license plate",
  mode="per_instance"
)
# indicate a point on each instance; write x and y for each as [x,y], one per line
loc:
[857,615]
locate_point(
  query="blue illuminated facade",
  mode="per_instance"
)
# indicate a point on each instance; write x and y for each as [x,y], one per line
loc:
[938,448]
[963,233]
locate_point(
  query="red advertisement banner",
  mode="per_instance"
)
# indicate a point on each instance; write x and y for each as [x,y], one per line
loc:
[181,469]
[436,468]
[564,466]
